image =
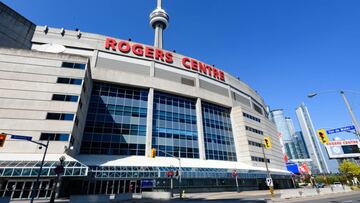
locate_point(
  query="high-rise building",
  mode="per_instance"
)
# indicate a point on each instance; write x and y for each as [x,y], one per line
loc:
[300,145]
[313,145]
[282,125]
[290,125]
[297,140]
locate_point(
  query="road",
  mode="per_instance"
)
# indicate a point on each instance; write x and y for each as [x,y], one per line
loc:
[350,197]
[246,197]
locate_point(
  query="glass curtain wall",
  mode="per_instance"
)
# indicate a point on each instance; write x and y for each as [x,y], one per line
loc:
[174,126]
[116,121]
[218,136]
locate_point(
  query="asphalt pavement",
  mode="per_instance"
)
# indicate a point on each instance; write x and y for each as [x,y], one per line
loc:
[244,197]
[349,197]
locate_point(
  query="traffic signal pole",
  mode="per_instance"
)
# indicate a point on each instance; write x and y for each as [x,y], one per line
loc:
[35,189]
[237,183]
[354,120]
[37,183]
[180,171]
[271,188]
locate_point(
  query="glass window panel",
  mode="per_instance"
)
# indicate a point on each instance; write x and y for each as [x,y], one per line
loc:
[218,137]
[117,120]
[169,121]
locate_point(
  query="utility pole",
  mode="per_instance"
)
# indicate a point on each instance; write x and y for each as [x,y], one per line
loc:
[271,187]
[354,120]
[180,181]
[37,183]
[180,171]
[235,175]
[35,189]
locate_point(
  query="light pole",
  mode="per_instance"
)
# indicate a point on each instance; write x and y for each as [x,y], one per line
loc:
[28,138]
[179,159]
[235,175]
[342,93]
[59,170]
[271,188]
[37,183]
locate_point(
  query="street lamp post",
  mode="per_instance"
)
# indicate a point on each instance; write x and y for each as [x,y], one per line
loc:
[354,120]
[59,170]
[28,138]
[37,183]
[235,175]
[179,159]
[271,188]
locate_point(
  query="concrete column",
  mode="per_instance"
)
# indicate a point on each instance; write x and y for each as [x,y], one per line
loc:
[149,122]
[94,58]
[200,129]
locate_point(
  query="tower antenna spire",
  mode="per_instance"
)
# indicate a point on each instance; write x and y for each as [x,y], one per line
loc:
[159,2]
[159,20]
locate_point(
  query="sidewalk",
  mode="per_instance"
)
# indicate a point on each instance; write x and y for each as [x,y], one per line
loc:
[260,194]
[244,196]
[314,198]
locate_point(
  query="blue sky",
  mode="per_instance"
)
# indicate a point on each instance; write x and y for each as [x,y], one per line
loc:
[283,49]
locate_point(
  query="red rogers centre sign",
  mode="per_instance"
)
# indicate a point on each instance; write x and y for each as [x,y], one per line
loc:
[164,56]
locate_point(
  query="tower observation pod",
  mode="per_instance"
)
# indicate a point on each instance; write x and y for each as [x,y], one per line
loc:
[159,20]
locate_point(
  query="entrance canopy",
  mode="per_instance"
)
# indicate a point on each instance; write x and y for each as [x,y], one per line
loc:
[28,165]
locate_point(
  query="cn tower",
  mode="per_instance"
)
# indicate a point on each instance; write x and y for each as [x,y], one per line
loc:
[159,20]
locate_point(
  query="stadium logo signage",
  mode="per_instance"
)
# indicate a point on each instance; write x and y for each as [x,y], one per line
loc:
[344,142]
[164,56]
[139,50]
[203,68]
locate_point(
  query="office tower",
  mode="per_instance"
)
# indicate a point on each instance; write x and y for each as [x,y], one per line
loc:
[300,145]
[312,143]
[283,127]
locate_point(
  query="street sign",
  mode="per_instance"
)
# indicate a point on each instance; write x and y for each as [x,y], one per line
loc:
[59,169]
[337,130]
[170,173]
[269,182]
[21,137]
[234,173]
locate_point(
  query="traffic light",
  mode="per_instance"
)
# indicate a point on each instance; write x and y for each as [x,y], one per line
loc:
[267,142]
[2,139]
[153,153]
[323,136]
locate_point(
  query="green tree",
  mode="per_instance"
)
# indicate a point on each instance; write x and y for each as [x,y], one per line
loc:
[349,169]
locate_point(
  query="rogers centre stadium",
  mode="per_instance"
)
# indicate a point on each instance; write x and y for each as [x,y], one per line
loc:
[122,116]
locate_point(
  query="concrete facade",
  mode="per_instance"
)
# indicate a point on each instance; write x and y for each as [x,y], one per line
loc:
[29,79]
[15,30]
[238,94]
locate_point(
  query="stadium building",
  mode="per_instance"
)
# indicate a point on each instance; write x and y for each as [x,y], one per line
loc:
[105,103]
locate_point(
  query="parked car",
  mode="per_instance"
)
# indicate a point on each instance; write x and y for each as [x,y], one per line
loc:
[336,184]
[319,185]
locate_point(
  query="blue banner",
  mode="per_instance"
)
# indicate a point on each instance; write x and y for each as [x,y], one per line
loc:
[293,168]
[147,183]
